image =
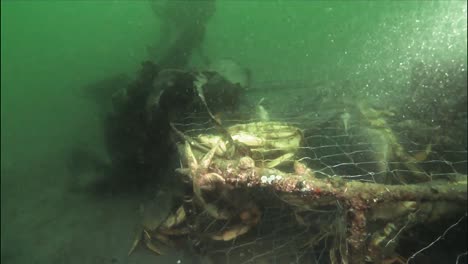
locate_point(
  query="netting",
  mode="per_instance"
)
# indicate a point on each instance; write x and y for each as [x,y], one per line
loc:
[367,153]
[351,143]
[323,180]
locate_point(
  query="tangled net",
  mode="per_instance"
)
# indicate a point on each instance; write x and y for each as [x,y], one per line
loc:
[357,187]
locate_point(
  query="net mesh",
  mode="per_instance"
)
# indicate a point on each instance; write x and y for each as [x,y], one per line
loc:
[338,141]
[360,153]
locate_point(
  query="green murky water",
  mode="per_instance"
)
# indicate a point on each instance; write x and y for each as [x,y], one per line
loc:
[51,49]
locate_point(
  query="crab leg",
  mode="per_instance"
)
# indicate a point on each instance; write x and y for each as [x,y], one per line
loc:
[149,243]
[136,241]
[198,172]
[192,161]
[206,160]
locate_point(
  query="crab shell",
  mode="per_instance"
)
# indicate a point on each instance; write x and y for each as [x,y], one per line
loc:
[271,143]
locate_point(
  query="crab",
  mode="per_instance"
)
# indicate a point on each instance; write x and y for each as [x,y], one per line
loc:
[271,143]
[387,144]
[156,230]
[204,179]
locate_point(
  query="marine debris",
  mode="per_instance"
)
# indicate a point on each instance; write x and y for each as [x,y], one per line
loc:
[231,194]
